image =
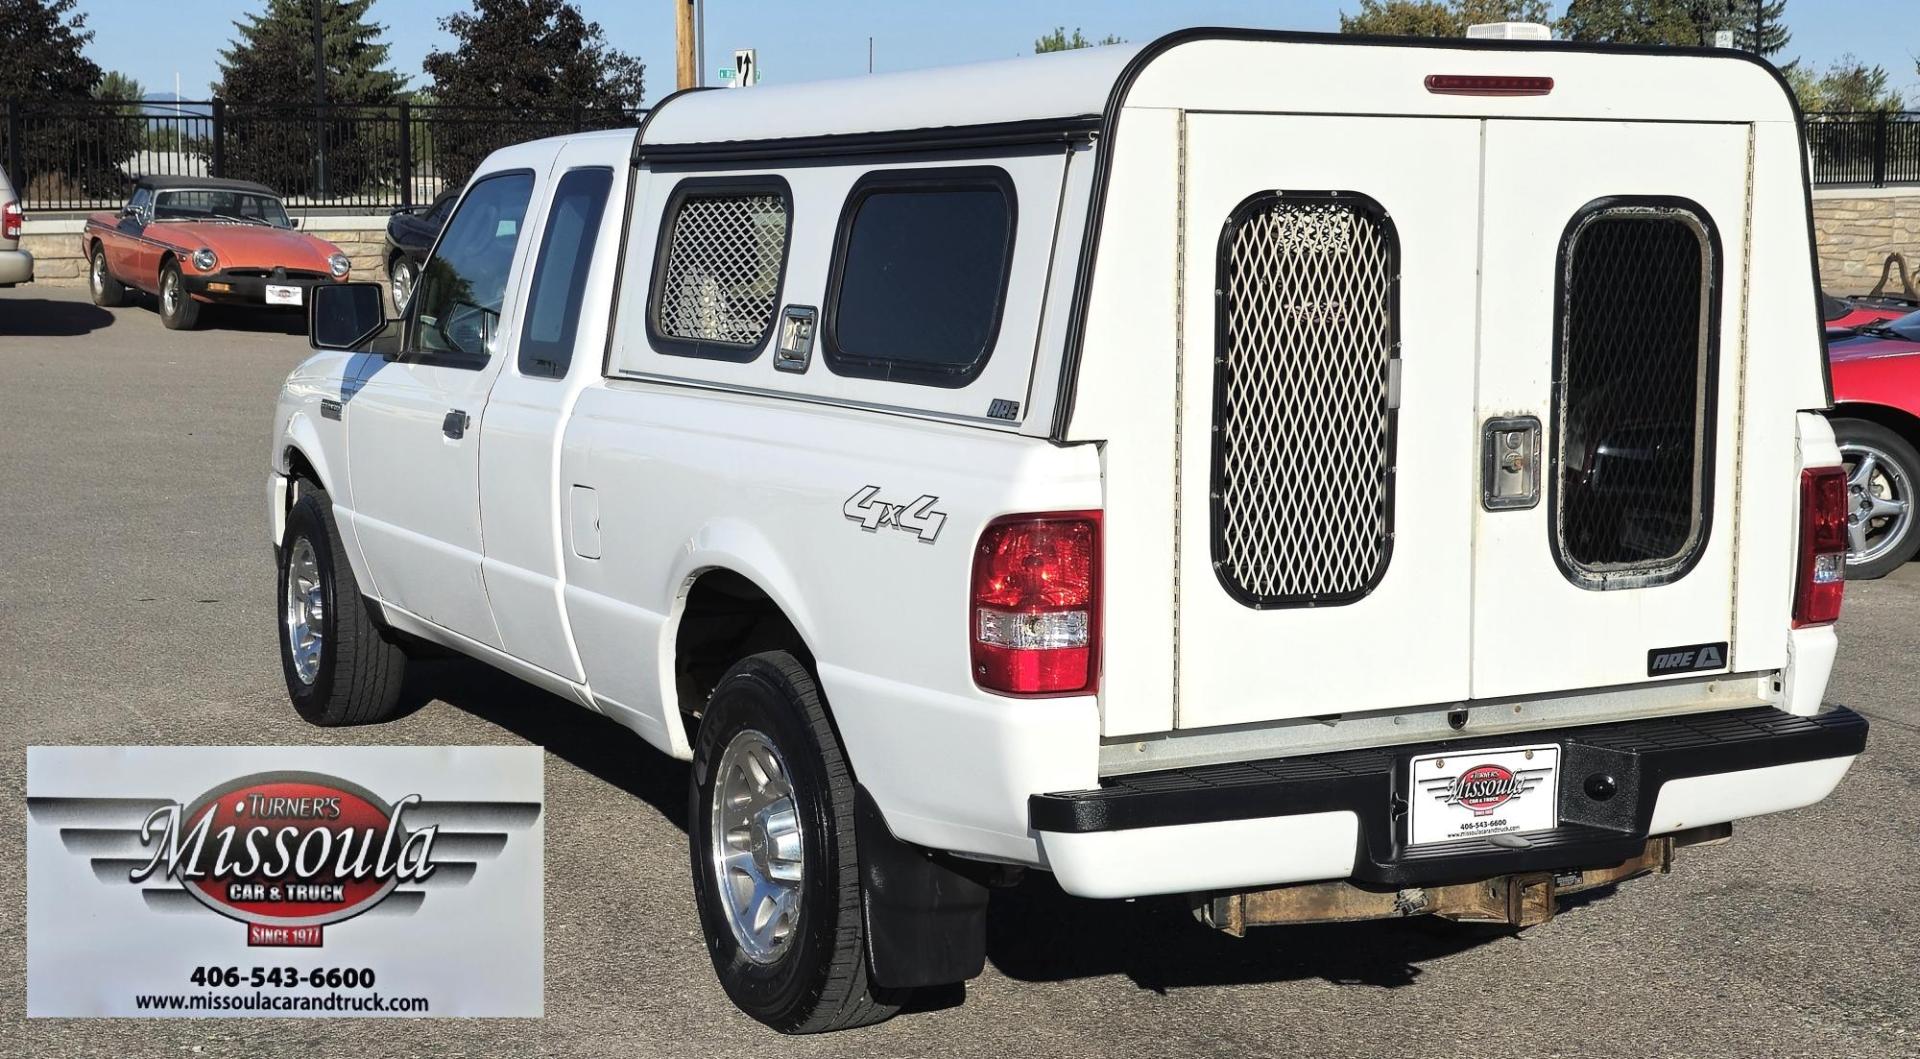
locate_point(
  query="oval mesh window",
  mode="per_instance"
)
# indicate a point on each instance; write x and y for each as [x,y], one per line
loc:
[1633,392]
[1303,429]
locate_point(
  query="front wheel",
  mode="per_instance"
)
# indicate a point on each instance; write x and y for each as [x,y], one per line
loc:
[178,310]
[775,871]
[341,666]
[1883,470]
[107,292]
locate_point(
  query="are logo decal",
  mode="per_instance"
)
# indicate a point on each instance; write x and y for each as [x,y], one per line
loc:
[1693,658]
[916,517]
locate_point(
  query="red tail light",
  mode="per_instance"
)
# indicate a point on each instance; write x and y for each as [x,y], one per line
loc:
[1035,626]
[10,220]
[1823,546]
[1487,85]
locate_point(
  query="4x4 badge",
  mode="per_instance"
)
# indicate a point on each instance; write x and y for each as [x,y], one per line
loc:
[916,517]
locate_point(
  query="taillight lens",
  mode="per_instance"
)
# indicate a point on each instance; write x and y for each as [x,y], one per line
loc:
[1823,546]
[10,220]
[1036,604]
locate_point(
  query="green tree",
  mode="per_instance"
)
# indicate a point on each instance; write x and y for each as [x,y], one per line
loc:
[1438,18]
[1685,23]
[1760,26]
[1059,40]
[549,68]
[44,42]
[273,131]
[1848,85]
[64,158]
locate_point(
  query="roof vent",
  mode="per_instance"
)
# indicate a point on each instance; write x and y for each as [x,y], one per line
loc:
[1509,31]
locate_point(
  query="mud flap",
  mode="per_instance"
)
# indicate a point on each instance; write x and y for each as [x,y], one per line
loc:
[926,922]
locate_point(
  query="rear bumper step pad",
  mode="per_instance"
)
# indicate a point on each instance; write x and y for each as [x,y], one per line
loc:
[1638,756]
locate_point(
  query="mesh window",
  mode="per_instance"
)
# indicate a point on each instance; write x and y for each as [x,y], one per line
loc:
[719,271]
[1633,379]
[1303,432]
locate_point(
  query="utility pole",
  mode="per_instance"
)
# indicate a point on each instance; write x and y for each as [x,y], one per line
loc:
[320,97]
[689,64]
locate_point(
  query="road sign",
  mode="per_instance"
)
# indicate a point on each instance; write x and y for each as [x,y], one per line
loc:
[748,66]
[1723,38]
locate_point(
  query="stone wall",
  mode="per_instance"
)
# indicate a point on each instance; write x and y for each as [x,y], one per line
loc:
[1857,229]
[57,257]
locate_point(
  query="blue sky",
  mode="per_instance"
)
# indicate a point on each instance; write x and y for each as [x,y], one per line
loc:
[802,40]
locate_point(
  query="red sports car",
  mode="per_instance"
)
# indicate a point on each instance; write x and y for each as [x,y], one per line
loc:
[199,240]
[1876,419]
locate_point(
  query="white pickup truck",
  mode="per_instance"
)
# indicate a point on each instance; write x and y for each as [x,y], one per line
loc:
[1326,478]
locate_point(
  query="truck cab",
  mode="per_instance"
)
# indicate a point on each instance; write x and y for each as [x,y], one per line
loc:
[1325,478]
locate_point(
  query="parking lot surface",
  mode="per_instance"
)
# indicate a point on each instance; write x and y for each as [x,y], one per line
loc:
[136,607]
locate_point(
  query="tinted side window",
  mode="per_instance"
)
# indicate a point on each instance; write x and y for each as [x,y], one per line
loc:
[920,275]
[723,253]
[457,305]
[560,272]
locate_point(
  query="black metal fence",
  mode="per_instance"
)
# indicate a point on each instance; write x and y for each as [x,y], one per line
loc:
[1865,150]
[84,154]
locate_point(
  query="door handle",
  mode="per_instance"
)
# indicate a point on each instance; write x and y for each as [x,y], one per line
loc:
[455,425]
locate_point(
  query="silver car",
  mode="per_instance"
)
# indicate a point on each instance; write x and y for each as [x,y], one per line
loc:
[16,265]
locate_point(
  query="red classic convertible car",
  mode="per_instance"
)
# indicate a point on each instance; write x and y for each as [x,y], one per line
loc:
[1876,419]
[201,240]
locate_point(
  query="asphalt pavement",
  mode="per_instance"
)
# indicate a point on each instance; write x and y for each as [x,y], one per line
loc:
[136,607]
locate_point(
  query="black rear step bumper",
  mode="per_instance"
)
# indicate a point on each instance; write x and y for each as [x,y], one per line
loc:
[1639,756]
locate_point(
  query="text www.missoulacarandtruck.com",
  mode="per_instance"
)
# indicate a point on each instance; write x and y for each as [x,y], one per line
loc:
[258,1001]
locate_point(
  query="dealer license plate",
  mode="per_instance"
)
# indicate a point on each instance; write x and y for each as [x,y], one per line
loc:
[1475,793]
[283,295]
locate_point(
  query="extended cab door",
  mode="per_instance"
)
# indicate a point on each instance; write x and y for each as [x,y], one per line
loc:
[413,429]
[1611,262]
[1326,395]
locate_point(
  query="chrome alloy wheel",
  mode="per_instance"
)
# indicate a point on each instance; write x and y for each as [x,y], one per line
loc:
[757,846]
[98,274]
[170,292]
[400,284]
[1879,501]
[306,606]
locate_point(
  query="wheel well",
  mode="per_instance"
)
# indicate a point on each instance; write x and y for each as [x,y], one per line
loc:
[727,617]
[1903,423]
[300,469]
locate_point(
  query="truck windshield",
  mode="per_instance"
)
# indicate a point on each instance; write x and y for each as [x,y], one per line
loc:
[212,205]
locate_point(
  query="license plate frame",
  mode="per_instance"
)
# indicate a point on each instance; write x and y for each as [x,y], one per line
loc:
[279,295]
[1461,794]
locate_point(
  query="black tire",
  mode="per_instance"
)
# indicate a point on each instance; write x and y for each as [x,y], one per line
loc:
[820,981]
[360,669]
[108,293]
[401,265]
[178,310]
[1893,540]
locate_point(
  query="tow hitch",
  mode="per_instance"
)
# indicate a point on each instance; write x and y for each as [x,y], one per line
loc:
[1521,900]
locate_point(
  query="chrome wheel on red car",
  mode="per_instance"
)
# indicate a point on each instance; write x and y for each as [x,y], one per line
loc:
[1882,470]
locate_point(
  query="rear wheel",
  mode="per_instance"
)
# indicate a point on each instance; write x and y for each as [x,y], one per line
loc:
[107,292]
[341,667]
[775,870]
[1883,471]
[178,310]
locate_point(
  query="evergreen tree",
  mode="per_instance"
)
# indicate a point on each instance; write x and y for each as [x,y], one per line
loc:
[1684,23]
[266,73]
[549,68]
[63,156]
[1760,26]
[1438,18]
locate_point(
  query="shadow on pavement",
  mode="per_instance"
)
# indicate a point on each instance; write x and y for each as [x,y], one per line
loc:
[1035,932]
[46,318]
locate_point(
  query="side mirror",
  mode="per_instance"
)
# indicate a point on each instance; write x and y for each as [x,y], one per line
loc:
[130,210]
[293,222]
[343,316]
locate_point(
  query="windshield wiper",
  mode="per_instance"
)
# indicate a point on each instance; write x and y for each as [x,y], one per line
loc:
[242,220]
[1881,331]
